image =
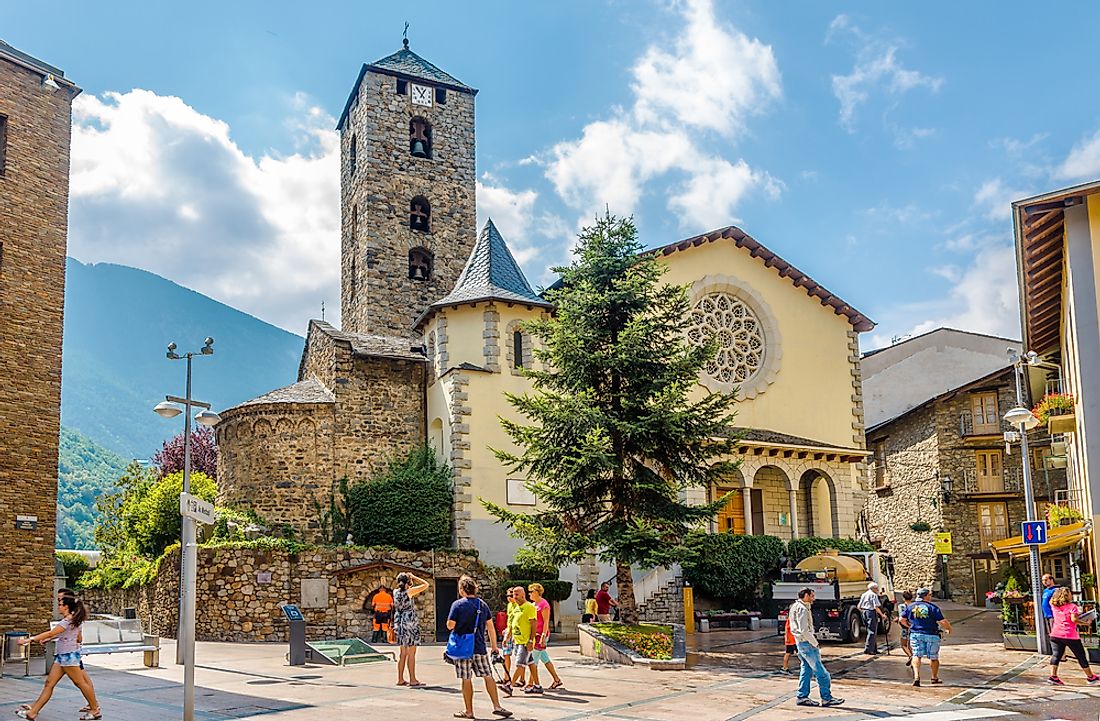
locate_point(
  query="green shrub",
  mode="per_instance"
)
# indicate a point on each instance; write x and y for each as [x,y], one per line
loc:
[728,566]
[123,571]
[800,548]
[531,564]
[407,505]
[240,517]
[555,590]
[153,519]
[75,566]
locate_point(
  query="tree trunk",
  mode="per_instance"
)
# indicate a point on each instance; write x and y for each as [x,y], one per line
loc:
[624,584]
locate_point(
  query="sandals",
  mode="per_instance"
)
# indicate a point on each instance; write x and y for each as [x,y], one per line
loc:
[463,714]
[402,683]
[502,712]
[418,684]
[22,713]
[89,716]
[557,684]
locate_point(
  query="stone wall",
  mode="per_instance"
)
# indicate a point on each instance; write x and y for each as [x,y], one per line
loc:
[377,294]
[34,195]
[912,484]
[276,459]
[240,591]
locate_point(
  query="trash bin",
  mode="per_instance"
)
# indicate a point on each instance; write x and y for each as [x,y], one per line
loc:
[12,650]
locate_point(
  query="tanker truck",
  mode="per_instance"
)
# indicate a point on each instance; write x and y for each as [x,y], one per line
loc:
[838,580]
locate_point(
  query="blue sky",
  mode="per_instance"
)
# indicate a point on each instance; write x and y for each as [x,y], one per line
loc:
[876,146]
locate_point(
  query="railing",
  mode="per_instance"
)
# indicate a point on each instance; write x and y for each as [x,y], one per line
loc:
[1010,481]
[967,427]
[1070,498]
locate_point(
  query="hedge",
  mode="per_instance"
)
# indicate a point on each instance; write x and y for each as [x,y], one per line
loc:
[407,505]
[555,590]
[800,548]
[728,566]
[75,566]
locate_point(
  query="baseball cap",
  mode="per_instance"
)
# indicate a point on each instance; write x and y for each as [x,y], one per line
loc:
[922,592]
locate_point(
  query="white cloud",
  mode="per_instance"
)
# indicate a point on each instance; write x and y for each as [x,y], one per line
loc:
[159,185]
[1083,161]
[876,70]
[994,199]
[984,297]
[712,81]
[511,211]
[894,215]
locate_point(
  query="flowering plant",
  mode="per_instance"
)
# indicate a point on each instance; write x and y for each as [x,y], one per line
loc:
[1053,404]
[649,645]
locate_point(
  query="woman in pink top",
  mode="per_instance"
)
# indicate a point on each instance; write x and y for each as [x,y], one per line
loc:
[66,660]
[1064,634]
[542,636]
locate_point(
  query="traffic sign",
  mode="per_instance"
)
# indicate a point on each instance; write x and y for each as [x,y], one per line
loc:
[1034,533]
[196,508]
[943,543]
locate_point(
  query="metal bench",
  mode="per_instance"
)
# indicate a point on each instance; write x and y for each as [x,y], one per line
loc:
[116,636]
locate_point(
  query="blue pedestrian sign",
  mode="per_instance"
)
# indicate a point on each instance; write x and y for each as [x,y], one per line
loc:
[1035,533]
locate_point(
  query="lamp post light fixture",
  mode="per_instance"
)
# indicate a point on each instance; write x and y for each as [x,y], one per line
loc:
[1021,417]
[947,487]
[185,635]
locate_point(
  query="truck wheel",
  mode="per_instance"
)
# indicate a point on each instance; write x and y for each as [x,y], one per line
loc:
[853,628]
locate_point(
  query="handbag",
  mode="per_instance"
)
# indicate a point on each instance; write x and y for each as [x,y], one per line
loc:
[460,646]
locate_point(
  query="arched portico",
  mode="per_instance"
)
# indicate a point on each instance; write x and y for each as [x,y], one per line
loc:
[817,496]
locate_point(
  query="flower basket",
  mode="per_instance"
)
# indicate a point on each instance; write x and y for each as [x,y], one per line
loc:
[1064,423]
[1056,410]
[920,527]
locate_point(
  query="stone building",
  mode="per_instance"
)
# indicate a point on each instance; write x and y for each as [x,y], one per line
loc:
[943,463]
[35,112]
[433,338]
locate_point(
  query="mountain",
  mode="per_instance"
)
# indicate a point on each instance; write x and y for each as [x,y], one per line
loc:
[85,471]
[118,323]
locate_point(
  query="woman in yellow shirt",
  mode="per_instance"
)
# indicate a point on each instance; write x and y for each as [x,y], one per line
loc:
[589,607]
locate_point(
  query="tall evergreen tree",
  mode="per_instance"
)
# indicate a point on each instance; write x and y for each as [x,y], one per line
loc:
[618,428]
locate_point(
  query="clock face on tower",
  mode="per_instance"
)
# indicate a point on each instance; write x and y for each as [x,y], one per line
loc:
[421,95]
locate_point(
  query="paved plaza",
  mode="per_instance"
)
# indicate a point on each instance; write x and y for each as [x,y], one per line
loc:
[732,678]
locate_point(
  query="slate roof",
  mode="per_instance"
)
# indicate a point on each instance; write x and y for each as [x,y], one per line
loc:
[408,64]
[762,435]
[365,344]
[491,273]
[404,64]
[307,391]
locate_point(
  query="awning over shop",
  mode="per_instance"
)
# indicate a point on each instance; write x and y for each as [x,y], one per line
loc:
[1059,538]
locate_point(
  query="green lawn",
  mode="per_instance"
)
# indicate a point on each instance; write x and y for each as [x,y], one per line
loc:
[649,640]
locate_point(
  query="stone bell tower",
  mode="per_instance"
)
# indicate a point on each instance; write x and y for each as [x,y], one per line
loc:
[407,192]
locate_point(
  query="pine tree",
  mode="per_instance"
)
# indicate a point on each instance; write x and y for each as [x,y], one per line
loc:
[619,428]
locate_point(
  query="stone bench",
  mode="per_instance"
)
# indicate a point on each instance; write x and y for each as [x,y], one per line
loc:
[748,621]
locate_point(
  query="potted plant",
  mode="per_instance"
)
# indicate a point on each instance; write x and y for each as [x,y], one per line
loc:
[1062,515]
[1088,584]
[921,527]
[1056,410]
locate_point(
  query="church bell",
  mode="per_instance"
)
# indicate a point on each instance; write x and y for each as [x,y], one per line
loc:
[418,150]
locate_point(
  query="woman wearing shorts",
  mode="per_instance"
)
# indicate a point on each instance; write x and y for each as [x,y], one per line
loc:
[66,660]
[406,626]
[906,599]
[1064,634]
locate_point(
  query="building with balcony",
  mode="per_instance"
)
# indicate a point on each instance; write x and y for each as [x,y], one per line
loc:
[943,464]
[1058,262]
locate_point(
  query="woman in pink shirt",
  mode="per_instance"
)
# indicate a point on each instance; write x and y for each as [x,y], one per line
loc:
[66,659]
[1064,634]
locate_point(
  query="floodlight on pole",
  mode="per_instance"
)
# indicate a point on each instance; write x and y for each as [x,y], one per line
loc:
[167,409]
[1022,416]
[185,637]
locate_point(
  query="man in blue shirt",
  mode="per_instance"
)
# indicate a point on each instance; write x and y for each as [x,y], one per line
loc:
[469,614]
[1049,587]
[925,622]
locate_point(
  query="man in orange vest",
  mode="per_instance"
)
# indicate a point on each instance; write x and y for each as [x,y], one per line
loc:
[383,614]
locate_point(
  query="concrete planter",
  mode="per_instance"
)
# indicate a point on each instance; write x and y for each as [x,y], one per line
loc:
[595,645]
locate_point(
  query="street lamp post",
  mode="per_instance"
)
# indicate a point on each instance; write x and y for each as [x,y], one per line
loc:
[185,635]
[1025,420]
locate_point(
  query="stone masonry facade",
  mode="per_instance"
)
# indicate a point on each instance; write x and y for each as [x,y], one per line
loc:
[241,591]
[377,294]
[923,447]
[278,457]
[34,198]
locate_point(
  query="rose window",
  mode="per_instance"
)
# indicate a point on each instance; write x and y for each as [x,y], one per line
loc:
[736,330]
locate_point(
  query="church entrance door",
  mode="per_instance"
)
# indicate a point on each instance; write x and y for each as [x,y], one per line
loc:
[446,593]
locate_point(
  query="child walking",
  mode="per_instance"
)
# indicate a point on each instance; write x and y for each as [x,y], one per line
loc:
[66,660]
[790,648]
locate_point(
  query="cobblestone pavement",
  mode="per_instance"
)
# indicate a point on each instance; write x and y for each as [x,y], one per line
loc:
[731,679]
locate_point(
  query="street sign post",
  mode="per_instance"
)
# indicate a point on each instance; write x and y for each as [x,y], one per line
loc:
[1034,533]
[197,509]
